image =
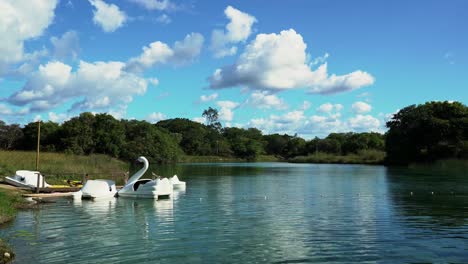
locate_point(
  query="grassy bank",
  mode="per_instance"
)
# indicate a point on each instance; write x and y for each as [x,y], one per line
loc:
[363,157]
[60,166]
[10,201]
[190,159]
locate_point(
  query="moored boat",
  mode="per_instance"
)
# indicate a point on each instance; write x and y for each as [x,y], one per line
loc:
[27,179]
[146,188]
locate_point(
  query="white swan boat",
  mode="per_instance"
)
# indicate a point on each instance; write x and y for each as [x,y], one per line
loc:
[98,189]
[26,179]
[146,188]
[176,183]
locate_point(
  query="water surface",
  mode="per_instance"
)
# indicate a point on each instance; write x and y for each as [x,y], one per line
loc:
[261,213]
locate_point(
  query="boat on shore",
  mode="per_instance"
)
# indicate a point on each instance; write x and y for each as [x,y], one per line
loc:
[27,179]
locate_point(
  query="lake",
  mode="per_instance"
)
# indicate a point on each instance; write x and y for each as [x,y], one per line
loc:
[261,213]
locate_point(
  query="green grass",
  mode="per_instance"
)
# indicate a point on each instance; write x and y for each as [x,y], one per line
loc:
[58,167]
[363,157]
[9,202]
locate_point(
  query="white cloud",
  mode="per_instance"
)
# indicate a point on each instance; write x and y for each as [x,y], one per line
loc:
[237,30]
[226,112]
[200,120]
[58,118]
[329,108]
[157,52]
[164,19]
[286,123]
[265,100]
[155,4]
[305,105]
[278,62]
[108,16]
[5,110]
[22,20]
[155,117]
[361,123]
[208,98]
[319,60]
[98,85]
[66,46]
[315,125]
[361,107]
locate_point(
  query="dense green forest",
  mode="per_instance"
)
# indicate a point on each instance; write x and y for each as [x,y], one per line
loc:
[416,133]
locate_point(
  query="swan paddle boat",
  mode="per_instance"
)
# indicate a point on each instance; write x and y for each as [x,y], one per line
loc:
[146,188]
[176,183]
[26,179]
[98,189]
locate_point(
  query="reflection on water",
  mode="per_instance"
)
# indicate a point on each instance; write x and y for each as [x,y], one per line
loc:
[260,212]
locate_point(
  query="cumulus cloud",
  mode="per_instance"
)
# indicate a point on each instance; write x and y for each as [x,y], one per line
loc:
[155,4]
[361,123]
[208,98]
[329,108]
[265,100]
[98,85]
[157,53]
[155,117]
[237,30]
[316,125]
[361,107]
[66,46]
[108,16]
[226,112]
[22,20]
[278,62]
[319,60]
[286,123]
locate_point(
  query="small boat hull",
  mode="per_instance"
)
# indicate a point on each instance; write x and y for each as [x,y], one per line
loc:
[95,189]
[26,179]
[146,188]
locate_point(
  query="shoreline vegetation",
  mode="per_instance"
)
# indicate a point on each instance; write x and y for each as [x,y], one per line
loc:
[10,202]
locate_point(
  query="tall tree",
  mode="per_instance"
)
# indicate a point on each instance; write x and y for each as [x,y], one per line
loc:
[211,115]
[426,132]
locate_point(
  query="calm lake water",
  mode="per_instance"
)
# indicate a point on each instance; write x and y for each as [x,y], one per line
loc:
[261,213]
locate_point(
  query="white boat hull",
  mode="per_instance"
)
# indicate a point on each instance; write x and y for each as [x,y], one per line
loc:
[95,189]
[26,179]
[17,183]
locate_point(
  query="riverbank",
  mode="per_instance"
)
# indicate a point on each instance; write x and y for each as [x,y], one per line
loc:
[372,157]
[10,202]
[199,159]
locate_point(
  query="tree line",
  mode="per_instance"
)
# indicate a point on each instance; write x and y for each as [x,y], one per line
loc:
[416,133]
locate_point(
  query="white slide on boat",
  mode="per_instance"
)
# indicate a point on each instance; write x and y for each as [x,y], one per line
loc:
[26,179]
[176,183]
[146,188]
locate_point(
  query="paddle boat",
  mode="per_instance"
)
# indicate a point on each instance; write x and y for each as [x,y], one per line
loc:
[146,188]
[98,189]
[176,183]
[26,179]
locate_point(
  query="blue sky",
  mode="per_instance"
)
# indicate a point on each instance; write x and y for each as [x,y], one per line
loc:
[307,67]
